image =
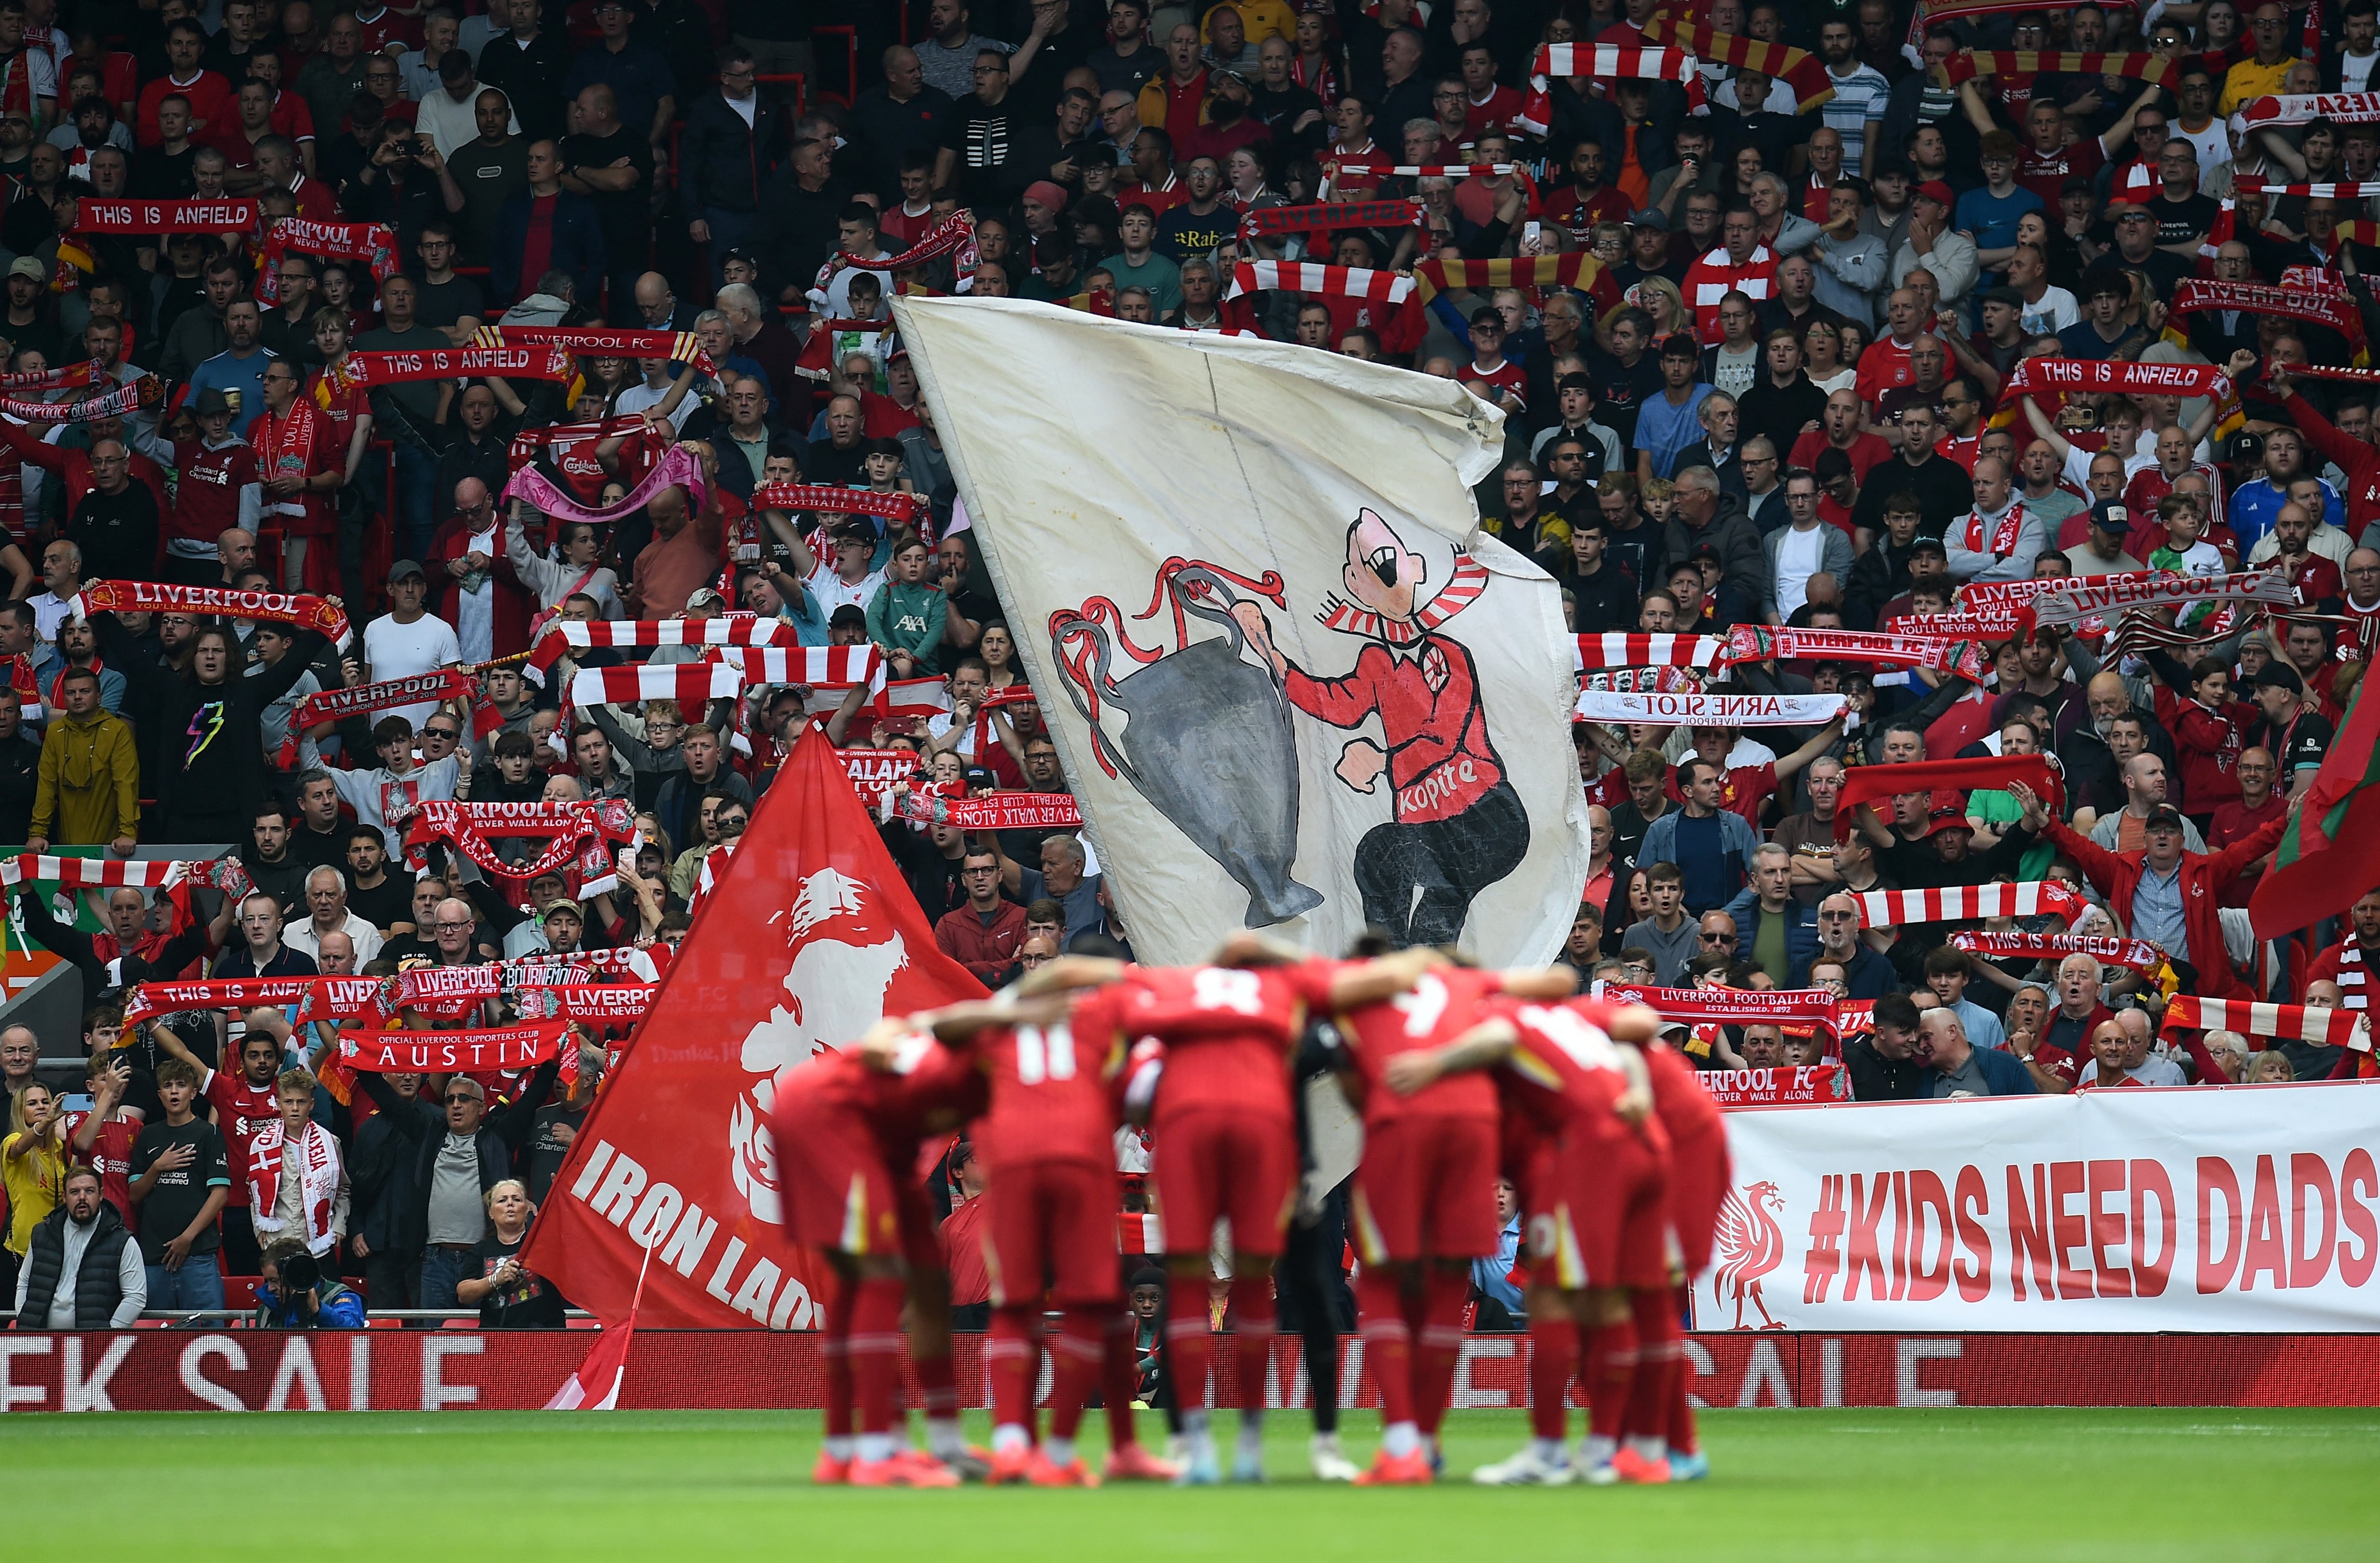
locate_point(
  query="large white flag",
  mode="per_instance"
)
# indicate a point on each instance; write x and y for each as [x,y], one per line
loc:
[1294,686]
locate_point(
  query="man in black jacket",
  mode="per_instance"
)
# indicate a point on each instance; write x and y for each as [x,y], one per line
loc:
[387,1204]
[21,765]
[1884,1067]
[130,953]
[82,1270]
[727,153]
[460,1151]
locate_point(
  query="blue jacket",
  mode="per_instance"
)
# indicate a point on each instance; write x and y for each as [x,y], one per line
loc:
[1801,935]
[337,1308]
[577,246]
[1735,839]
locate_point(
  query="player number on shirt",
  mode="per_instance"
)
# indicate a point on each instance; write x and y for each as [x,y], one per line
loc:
[1044,1055]
[1218,987]
[1423,1007]
[1587,1044]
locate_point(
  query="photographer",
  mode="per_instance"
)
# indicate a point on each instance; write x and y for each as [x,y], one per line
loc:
[296,1295]
[508,1297]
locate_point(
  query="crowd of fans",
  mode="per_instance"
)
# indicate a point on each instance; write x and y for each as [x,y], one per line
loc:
[1780,398]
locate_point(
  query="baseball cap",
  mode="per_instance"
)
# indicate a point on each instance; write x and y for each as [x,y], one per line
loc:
[706,597]
[1936,191]
[2164,814]
[210,402]
[1650,218]
[559,904]
[847,614]
[2111,515]
[2278,676]
[25,265]
[1927,546]
[404,568]
[2007,295]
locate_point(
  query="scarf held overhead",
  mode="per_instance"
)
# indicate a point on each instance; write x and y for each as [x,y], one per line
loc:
[595,341]
[1615,649]
[227,216]
[1708,710]
[2076,601]
[467,826]
[298,608]
[1757,642]
[1967,903]
[373,243]
[449,1053]
[994,811]
[677,468]
[1798,68]
[1261,221]
[2282,1022]
[1865,784]
[2139,955]
[365,370]
[565,636]
[88,407]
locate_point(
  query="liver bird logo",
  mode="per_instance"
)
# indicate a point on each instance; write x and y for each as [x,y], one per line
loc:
[1751,1245]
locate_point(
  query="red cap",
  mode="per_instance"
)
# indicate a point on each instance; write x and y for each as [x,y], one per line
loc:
[1936,191]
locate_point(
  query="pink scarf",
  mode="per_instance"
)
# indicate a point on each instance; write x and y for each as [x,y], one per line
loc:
[679,466]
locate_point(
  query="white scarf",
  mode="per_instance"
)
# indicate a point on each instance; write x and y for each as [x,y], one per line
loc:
[2350,974]
[318,1172]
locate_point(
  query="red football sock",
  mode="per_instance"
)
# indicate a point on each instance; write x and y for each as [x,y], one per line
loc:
[876,1350]
[1440,1346]
[1081,1352]
[1254,1325]
[836,1349]
[1553,1353]
[1118,1376]
[1388,1343]
[937,1382]
[1683,1438]
[1189,1345]
[1013,1362]
[1611,1374]
[1660,1351]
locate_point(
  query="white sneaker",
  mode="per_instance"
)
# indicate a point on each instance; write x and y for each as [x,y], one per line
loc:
[1527,1469]
[1330,1462]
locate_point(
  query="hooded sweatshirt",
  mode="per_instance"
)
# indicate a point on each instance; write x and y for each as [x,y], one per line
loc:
[90,787]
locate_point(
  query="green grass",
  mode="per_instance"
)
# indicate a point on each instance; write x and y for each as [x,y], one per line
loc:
[1826,1485]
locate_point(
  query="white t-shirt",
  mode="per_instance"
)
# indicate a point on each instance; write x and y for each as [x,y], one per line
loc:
[399,651]
[1798,558]
[832,594]
[2211,141]
[2054,313]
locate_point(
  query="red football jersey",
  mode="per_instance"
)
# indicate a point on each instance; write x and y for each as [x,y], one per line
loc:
[241,1112]
[111,1157]
[1441,1006]
[929,1090]
[1682,1104]
[1050,1100]
[1228,1031]
[1573,1063]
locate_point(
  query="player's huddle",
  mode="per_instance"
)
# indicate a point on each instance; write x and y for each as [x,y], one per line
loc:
[1617,1152]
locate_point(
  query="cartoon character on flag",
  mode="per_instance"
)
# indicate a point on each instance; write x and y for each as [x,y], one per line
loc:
[1457,824]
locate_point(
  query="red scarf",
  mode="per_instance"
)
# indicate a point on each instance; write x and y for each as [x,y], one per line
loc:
[302,609]
[373,243]
[445,363]
[574,829]
[318,1174]
[227,216]
[284,448]
[994,811]
[2138,954]
[2005,532]
[1867,783]
[448,1053]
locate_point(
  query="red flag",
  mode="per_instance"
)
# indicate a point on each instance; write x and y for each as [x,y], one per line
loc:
[816,938]
[596,1386]
[2330,856]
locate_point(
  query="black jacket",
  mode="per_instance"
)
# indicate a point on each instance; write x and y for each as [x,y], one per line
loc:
[1875,1077]
[932,878]
[722,162]
[20,767]
[98,1282]
[383,1178]
[75,948]
[502,1134]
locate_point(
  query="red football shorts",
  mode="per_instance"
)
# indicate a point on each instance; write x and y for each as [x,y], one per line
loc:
[1698,1179]
[839,1191]
[1601,1219]
[1426,1189]
[1210,1163]
[1053,1234]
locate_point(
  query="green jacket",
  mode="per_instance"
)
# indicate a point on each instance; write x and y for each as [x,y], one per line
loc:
[908,618]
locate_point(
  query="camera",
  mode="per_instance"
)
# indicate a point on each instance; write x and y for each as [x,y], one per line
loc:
[301,1272]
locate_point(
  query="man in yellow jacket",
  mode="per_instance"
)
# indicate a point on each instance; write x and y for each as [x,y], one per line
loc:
[90,786]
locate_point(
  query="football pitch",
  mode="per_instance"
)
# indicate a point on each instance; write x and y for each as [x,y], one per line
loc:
[1817,1484]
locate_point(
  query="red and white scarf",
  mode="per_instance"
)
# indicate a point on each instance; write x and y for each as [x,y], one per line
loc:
[600,1004]
[595,341]
[575,830]
[318,1179]
[954,235]
[1758,643]
[2282,1022]
[365,370]
[2195,295]
[2050,380]
[227,216]
[1426,170]
[1264,220]
[1617,650]
[993,810]
[2140,955]
[299,608]
[1604,62]
[284,448]
[903,509]
[818,667]
[450,1052]
[144,392]
[2001,540]
[1734,1007]
[565,636]
[2304,108]
[447,683]
[1462,587]
[1320,281]
[689,683]
[148,874]
[221,993]
[60,378]
[2352,973]
[1967,903]
[1707,710]
[373,243]
[2074,600]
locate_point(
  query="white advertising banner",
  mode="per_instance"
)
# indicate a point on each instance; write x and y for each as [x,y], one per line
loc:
[2253,1208]
[1293,685]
